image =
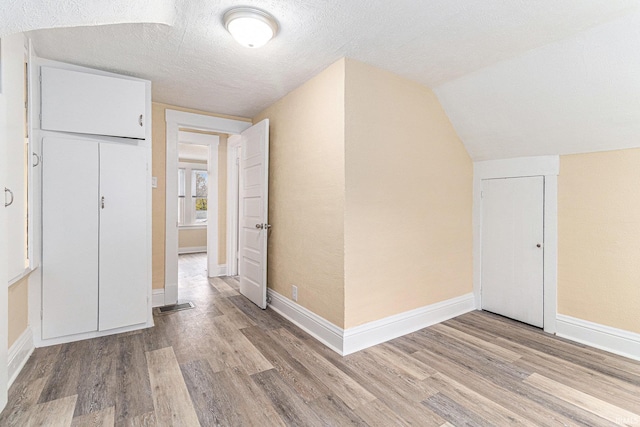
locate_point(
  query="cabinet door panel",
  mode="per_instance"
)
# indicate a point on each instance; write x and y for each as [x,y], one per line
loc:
[123,236]
[79,102]
[69,237]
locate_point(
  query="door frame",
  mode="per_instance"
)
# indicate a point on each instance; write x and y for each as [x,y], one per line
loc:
[233,189]
[176,120]
[548,167]
[213,143]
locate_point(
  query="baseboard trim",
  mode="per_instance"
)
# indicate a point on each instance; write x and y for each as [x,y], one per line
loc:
[318,327]
[192,250]
[219,270]
[349,341]
[379,331]
[19,354]
[157,298]
[613,340]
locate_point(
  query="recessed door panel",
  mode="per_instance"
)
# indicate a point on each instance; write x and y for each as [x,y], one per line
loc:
[123,235]
[513,248]
[69,236]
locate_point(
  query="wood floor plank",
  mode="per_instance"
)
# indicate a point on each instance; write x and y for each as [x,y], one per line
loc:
[290,407]
[484,407]
[200,379]
[342,385]
[133,395]
[264,319]
[506,354]
[171,400]
[54,413]
[290,369]
[454,412]
[102,418]
[243,351]
[222,287]
[22,397]
[582,400]
[333,411]
[65,374]
[144,420]
[392,356]
[377,414]
[97,383]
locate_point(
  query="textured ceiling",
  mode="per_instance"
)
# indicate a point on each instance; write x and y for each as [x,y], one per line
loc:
[192,61]
[580,94]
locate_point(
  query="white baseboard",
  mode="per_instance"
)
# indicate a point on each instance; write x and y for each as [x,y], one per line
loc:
[219,270]
[192,250]
[19,353]
[379,331]
[354,339]
[318,327]
[157,298]
[618,341]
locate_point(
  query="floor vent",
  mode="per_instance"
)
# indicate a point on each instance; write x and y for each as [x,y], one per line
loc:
[175,307]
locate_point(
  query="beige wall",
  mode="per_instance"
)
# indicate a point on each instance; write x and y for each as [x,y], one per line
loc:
[18,309]
[192,238]
[408,236]
[599,238]
[306,194]
[159,199]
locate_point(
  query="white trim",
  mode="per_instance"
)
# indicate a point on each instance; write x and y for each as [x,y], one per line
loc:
[349,341]
[379,331]
[549,167]
[175,121]
[88,335]
[233,156]
[192,250]
[218,271]
[613,340]
[157,300]
[316,326]
[19,353]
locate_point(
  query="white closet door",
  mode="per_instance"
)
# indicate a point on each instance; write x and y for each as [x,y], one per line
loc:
[123,236]
[512,248]
[69,236]
[80,102]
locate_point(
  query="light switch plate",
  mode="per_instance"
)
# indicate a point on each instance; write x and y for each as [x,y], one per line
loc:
[154,182]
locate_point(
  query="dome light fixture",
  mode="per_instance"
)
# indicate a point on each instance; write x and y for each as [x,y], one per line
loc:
[250,27]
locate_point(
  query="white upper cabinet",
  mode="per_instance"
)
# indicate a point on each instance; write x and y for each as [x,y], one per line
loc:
[92,104]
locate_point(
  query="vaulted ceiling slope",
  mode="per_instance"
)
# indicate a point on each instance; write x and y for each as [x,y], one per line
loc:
[194,62]
[580,94]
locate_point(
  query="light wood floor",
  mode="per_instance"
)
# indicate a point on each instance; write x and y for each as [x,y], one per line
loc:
[226,362]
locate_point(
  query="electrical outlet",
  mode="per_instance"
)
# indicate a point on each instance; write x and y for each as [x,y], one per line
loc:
[294,292]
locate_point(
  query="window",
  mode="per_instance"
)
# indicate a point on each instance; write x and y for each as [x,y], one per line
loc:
[192,194]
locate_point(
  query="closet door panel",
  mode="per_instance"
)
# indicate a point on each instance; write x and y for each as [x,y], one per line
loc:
[123,236]
[80,102]
[69,236]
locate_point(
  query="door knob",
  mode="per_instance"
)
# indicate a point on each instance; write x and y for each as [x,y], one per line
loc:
[538,245]
[259,226]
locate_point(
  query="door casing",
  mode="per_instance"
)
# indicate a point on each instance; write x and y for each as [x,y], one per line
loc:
[547,166]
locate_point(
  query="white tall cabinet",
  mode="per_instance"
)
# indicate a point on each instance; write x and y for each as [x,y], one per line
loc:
[96,210]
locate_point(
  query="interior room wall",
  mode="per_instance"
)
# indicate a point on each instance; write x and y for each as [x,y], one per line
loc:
[192,238]
[306,194]
[599,238]
[159,148]
[18,309]
[408,235]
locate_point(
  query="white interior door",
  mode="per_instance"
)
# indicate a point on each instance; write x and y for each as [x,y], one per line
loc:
[512,248]
[70,220]
[123,235]
[254,204]
[4,317]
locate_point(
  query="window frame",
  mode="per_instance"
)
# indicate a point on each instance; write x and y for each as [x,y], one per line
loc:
[188,209]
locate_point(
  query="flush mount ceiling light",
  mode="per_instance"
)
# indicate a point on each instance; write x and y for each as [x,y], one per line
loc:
[250,27]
